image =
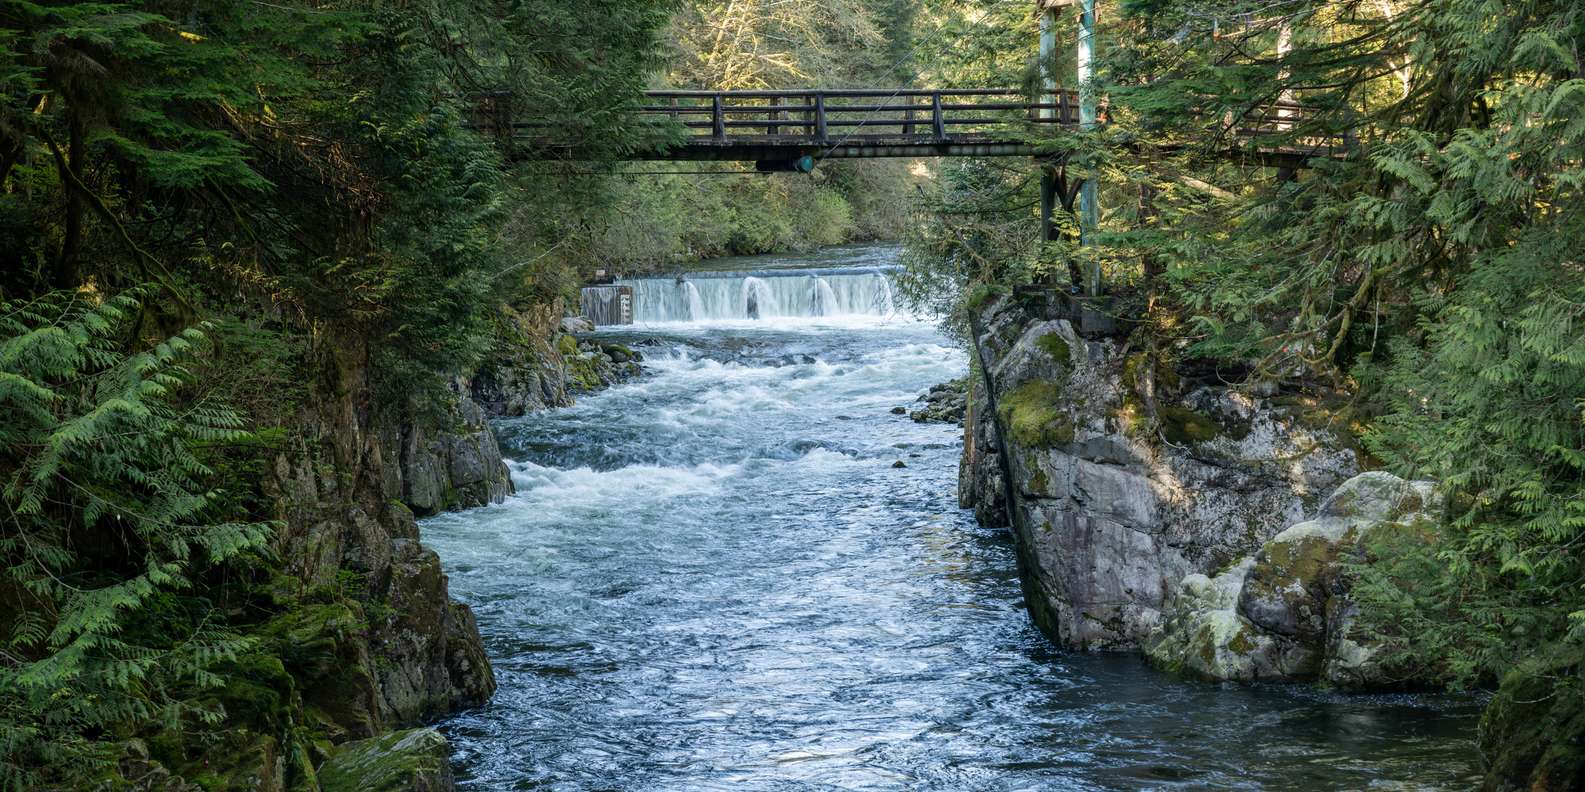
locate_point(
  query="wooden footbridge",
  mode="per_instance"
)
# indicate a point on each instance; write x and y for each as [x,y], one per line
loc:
[793,129]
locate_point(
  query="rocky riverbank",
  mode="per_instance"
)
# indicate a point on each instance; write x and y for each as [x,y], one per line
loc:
[1121,480]
[359,639]
[543,359]
[1217,530]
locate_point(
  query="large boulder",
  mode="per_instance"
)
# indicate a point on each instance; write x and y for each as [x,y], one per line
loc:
[1205,636]
[416,760]
[1285,612]
[1120,479]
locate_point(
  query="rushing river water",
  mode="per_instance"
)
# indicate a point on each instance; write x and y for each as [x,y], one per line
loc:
[715,577]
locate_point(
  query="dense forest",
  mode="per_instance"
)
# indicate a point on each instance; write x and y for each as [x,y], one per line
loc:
[1429,281]
[229,227]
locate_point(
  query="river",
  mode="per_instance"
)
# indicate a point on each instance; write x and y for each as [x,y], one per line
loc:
[716,577]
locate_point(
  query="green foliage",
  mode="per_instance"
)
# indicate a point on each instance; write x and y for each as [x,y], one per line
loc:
[1432,269]
[1436,271]
[310,180]
[110,518]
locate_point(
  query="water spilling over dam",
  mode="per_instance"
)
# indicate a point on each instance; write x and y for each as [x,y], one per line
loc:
[706,296]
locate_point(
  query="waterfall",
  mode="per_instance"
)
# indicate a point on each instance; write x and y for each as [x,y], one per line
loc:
[885,305]
[759,301]
[768,294]
[695,302]
[822,297]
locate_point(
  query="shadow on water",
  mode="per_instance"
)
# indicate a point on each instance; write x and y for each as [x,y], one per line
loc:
[715,578]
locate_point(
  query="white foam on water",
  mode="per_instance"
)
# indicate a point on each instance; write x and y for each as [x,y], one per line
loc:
[763,297]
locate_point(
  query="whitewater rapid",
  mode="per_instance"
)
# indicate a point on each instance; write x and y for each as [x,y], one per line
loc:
[716,577]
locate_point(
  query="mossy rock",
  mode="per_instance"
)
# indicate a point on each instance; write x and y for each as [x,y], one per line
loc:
[1038,483]
[416,760]
[244,761]
[1056,346]
[1184,426]
[309,636]
[567,345]
[258,690]
[1287,590]
[1033,415]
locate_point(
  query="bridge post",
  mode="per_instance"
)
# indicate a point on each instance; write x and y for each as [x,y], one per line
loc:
[820,117]
[775,115]
[936,121]
[717,118]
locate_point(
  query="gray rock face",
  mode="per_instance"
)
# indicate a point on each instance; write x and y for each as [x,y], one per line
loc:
[1120,482]
[398,650]
[538,362]
[445,461]
[981,485]
[525,371]
[416,760]
[1285,612]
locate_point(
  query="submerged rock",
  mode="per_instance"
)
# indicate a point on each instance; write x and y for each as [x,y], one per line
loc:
[417,760]
[944,403]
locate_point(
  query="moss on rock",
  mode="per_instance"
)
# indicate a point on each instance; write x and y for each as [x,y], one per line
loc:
[1056,346]
[1033,415]
[416,760]
[1184,426]
[567,345]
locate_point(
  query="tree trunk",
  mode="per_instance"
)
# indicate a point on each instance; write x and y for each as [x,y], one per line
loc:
[68,274]
[1147,213]
[10,155]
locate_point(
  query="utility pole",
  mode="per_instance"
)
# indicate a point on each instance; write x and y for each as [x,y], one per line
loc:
[1048,96]
[1089,194]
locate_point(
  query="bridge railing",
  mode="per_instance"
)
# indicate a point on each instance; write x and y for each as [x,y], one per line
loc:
[760,124]
[1283,126]
[860,115]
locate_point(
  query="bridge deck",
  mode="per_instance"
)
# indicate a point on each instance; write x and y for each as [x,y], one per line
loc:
[782,126]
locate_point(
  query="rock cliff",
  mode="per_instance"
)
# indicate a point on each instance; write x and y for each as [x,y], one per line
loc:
[539,361]
[1121,480]
[351,630]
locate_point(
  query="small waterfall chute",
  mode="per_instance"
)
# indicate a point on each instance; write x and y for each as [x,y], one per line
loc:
[822,298]
[884,303]
[759,300]
[696,310]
